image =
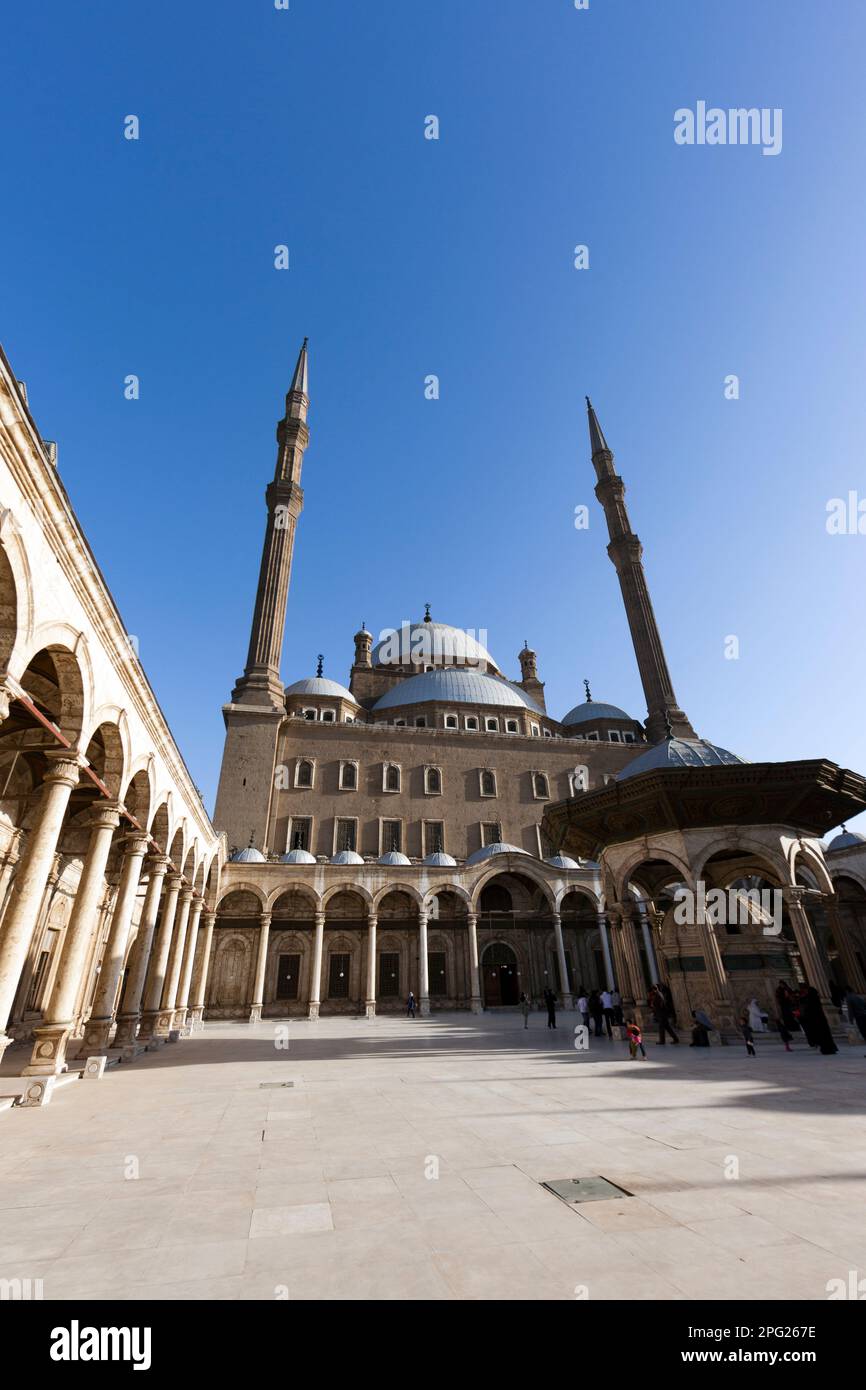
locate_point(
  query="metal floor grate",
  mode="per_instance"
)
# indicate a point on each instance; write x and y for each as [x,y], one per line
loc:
[274,1085]
[576,1190]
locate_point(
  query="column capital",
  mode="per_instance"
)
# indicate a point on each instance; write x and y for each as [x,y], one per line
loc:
[372,919]
[320,918]
[472,918]
[174,880]
[7,695]
[793,894]
[136,844]
[209,917]
[157,865]
[185,893]
[105,815]
[64,767]
[265,918]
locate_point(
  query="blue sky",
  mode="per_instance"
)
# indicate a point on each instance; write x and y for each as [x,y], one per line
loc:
[454,257]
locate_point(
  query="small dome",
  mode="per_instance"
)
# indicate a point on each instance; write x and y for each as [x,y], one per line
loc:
[678,753]
[393,857]
[846,839]
[298,856]
[429,643]
[456,686]
[320,685]
[346,856]
[489,850]
[440,860]
[591,710]
[562,861]
[247,856]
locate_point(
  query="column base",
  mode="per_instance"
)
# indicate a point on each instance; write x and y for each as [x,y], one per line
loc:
[567,1001]
[39,1092]
[313,1011]
[96,1034]
[125,1033]
[162,1023]
[256,1013]
[370,1008]
[179,1019]
[48,1057]
[196,1019]
[475,1005]
[147,1026]
[424,1006]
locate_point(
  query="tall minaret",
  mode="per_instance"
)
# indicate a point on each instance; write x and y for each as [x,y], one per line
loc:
[261,683]
[625,550]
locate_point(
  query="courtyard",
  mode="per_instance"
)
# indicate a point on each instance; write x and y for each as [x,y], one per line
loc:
[403,1159]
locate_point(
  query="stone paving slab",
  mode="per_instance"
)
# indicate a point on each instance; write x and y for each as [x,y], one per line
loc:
[405,1162]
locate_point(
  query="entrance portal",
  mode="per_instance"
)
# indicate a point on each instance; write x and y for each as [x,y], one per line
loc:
[500,976]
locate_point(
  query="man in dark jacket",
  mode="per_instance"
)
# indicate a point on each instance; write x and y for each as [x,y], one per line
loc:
[661,1013]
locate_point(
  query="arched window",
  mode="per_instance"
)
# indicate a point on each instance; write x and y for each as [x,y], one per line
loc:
[309,714]
[488,783]
[511,726]
[433,781]
[392,777]
[348,777]
[495,898]
[328,716]
[304,773]
[540,787]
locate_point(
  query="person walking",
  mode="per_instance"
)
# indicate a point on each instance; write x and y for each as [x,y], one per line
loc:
[596,1012]
[666,994]
[616,1005]
[410,1005]
[635,1039]
[786,1001]
[607,1010]
[815,1023]
[661,1013]
[583,1008]
[785,1034]
[756,1016]
[525,1006]
[550,1001]
[748,1035]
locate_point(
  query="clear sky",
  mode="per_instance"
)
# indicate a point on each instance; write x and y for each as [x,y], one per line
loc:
[410,257]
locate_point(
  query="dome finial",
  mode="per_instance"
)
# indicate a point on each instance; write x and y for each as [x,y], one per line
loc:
[427,617]
[321,664]
[252,843]
[586,688]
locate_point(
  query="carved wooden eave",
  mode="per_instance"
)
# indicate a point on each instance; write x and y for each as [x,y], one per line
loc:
[810,796]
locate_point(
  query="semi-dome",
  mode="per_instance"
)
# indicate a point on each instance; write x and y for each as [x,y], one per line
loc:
[298,856]
[562,861]
[440,860]
[488,851]
[346,856]
[320,685]
[679,752]
[430,643]
[247,856]
[591,710]
[394,857]
[846,839]
[456,686]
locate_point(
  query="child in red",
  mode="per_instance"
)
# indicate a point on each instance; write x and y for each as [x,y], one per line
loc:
[635,1039]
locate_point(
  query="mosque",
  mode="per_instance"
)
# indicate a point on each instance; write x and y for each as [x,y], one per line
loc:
[428,826]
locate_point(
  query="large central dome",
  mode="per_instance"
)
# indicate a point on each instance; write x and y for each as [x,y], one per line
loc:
[456,687]
[431,644]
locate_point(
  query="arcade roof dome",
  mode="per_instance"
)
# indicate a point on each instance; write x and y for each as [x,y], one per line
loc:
[298,856]
[456,685]
[591,710]
[320,685]
[247,856]
[846,839]
[488,851]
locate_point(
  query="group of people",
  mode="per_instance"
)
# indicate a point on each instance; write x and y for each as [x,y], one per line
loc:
[603,1006]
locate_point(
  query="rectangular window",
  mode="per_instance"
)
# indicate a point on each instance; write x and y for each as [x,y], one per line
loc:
[628,738]
[288,970]
[348,777]
[389,975]
[392,836]
[434,836]
[593,736]
[347,833]
[613,735]
[438,977]
[491,833]
[535,731]
[338,977]
[451,721]
[491,724]
[300,832]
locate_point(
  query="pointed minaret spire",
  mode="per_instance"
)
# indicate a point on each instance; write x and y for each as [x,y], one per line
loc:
[261,684]
[665,719]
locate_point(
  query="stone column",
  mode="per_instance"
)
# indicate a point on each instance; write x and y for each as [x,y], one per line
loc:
[648,945]
[474,970]
[813,966]
[261,967]
[199,990]
[634,966]
[316,978]
[51,1039]
[423,964]
[33,870]
[370,1003]
[10,860]
[159,960]
[98,1027]
[847,954]
[182,1009]
[567,1000]
[169,998]
[139,958]
[605,950]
